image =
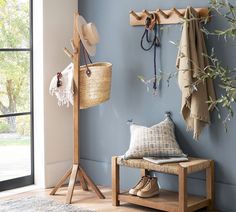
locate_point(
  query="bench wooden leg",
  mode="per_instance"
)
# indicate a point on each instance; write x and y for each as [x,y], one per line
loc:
[115,182]
[144,172]
[183,197]
[210,185]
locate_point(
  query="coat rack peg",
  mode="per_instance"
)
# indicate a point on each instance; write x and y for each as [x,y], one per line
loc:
[163,13]
[177,12]
[135,15]
[147,13]
[75,50]
[68,53]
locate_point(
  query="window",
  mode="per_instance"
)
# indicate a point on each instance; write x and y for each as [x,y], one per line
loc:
[16,98]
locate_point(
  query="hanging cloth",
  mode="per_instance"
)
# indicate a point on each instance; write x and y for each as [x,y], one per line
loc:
[151,25]
[62,86]
[62,83]
[190,62]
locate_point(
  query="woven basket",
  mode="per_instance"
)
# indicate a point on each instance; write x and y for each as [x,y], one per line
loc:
[95,89]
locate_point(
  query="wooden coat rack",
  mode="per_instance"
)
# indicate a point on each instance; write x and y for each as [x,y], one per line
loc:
[172,16]
[76,171]
[136,19]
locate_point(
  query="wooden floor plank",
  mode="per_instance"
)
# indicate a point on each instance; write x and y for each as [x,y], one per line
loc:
[82,180]
[86,200]
[91,184]
[61,182]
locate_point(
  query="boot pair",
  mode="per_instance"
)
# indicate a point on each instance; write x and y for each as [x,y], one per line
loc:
[146,187]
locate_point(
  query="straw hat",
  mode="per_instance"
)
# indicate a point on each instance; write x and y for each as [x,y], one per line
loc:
[88,35]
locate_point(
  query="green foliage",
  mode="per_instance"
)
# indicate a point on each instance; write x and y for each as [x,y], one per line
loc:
[149,82]
[2,3]
[228,11]
[14,23]
[15,87]
[23,125]
[225,77]
[15,142]
[14,66]
[4,127]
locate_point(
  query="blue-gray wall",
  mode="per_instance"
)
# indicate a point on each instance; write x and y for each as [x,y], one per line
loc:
[104,132]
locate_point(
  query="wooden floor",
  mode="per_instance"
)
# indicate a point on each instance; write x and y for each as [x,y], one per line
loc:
[83,199]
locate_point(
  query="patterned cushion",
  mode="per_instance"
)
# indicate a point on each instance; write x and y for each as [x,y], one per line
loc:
[156,141]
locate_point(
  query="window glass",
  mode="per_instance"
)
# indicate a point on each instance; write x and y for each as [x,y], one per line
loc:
[16,116]
[14,24]
[15,151]
[14,82]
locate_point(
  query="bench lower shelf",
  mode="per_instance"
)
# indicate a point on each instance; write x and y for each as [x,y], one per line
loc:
[166,201]
[170,201]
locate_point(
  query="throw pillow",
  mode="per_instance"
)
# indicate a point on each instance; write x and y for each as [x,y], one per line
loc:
[156,141]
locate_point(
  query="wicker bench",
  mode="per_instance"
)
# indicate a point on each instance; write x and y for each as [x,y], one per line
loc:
[167,200]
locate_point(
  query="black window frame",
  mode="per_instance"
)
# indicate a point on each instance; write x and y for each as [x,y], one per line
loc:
[25,180]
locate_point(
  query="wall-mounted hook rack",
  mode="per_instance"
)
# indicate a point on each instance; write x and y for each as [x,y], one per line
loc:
[134,14]
[163,13]
[172,16]
[177,12]
[147,13]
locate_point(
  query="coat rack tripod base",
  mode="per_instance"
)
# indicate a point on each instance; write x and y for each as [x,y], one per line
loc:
[76,172]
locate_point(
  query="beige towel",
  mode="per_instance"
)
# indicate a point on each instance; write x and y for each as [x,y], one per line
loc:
[190,62]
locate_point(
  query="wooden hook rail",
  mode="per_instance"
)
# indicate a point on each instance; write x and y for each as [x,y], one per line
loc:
[133,14]
[177,12]
[172,16]
[163,13]
[146,12]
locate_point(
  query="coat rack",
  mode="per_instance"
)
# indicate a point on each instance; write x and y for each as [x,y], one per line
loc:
[172,16]
[76,172]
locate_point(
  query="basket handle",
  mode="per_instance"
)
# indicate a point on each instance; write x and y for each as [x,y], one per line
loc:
[85,53]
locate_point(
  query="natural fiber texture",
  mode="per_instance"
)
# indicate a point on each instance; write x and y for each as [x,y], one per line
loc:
[190,63]
[192,165]
[156,141]
[37,204]
[96,88]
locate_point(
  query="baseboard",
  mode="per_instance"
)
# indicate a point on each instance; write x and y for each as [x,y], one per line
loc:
[100,172]
[54,171]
